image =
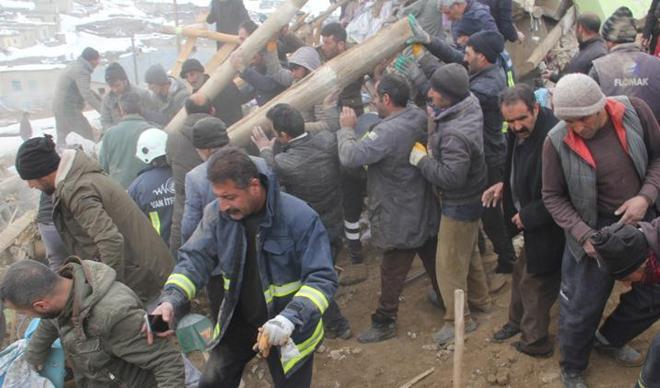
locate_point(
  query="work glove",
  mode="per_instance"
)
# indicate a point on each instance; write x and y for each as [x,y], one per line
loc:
[278,330]
[419,35]
[407,67]
[417,153]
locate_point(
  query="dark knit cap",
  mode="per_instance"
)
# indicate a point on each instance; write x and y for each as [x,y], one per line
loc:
[189,65]
[451,80]
[210,132]
[115,72]
[89,54]
[37,158]
[156,75]
[620,27]
[489,43]
[622,249]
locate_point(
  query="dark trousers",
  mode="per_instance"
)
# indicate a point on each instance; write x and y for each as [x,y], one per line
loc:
[393,272]
[492,219]
[650,374]
[228,359]
[354,189]
[215,292]
[532,296]
[638,310]
[333,316]
[585,289]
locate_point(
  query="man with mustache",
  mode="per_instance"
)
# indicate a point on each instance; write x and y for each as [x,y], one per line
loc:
[536,274]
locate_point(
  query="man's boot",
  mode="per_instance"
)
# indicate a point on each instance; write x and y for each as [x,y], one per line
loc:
[335,324]
[572,379]
[624,355]
[445,335]
[379,331]
[356,272]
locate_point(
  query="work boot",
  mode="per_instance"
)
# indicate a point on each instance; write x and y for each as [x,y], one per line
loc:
[624,355]
[445,335]
[353,274]
[507,331]
[378,332]
[435,299]
[572,379]
[340,329]
[536,353]
[496,282]
[354,248]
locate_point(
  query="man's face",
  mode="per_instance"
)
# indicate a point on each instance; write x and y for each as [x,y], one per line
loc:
[454,12]
[95,62]
[237,202]
[585,127]
[43,309]
[298,72]
[635,277]
[44,184]
[242,34]
[195,78]
[330,47]
[473,59]
[159,90]
[118,87]
[380,103]
[437,99]
[520,119]
[579,33]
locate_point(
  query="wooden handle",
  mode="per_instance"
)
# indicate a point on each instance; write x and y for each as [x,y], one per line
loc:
[264,347]
[459,340]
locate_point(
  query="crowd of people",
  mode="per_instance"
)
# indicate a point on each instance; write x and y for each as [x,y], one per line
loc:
[450,150]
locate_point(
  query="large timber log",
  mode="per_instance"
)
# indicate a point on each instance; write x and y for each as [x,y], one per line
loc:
[549,41]
[255,42]
[196,32]
[334,75]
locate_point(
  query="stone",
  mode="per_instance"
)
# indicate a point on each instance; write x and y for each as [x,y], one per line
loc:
[549,377]
[491,378]
[432,347]
[356,350]
[321,349]
[337,354]
[502,378]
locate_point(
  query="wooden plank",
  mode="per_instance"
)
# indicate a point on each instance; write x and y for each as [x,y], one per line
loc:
[219,57]
[196,32]
[186,50]
[13,230]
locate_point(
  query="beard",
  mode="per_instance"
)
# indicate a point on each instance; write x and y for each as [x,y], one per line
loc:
[49,315]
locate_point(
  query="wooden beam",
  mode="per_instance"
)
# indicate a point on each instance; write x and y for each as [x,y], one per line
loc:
[13,230]
[196,32]
[549,42]
[225,73]
[334,75]
[219,57]
[186,50]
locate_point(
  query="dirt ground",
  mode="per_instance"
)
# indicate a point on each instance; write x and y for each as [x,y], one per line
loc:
[486,364]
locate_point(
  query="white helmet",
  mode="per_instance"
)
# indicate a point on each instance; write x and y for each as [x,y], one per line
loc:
[151,144]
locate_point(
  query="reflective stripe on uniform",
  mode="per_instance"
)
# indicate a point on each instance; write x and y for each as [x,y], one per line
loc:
[306,347]
[316,296]
[216,331]
[509,79]
[185,284]
[226,282]
[280,291]
[155,221]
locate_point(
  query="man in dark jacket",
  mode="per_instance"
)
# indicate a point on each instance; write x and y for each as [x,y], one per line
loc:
[227,103]
[455,167]
[95,217]
[600,166]
[274,255]
[536,274]
[117,80]
[153,189]
[402,207]
[627,70]
[308,168]
[591,47]
[227,16]
[181,155]
[652,29]
[487,81]
[169,94]
[97,318]
[72,92]
[502,12]
[118,145]
[467,17]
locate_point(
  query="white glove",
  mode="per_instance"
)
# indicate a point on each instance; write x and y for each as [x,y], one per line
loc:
[417,153]
[278,330]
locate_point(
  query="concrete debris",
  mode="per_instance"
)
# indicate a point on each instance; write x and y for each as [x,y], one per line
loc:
[412,335]
[432,347]
[502,378]
[342,353]
[549,377]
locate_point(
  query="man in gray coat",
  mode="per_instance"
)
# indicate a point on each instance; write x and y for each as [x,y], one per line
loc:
[72,92]
[169,93]
[402,206]
[455,165]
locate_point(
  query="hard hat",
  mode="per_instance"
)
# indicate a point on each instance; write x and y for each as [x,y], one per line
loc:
[151,144]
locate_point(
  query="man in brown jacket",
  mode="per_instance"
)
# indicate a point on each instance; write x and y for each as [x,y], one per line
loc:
[601,165]
[95,216]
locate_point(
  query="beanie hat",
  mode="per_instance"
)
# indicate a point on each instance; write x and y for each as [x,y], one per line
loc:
[115,72]
[577,95]
[451,79]
[37,158]
[489,43]
[89,54]
[156,75]
[210,132]
[622,249]
[620,27]
[189,65]
[306,57]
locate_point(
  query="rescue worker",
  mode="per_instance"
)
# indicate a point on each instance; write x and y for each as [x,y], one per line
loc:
[274,255]
[153,188]
[502,13]
[95,217]
[118,83]
[97,319]
[168,93]
[227,16]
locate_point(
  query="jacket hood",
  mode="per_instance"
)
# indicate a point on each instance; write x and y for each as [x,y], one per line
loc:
[306,57]
[449,113]
[626,47]
[73,165]
[92,281]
